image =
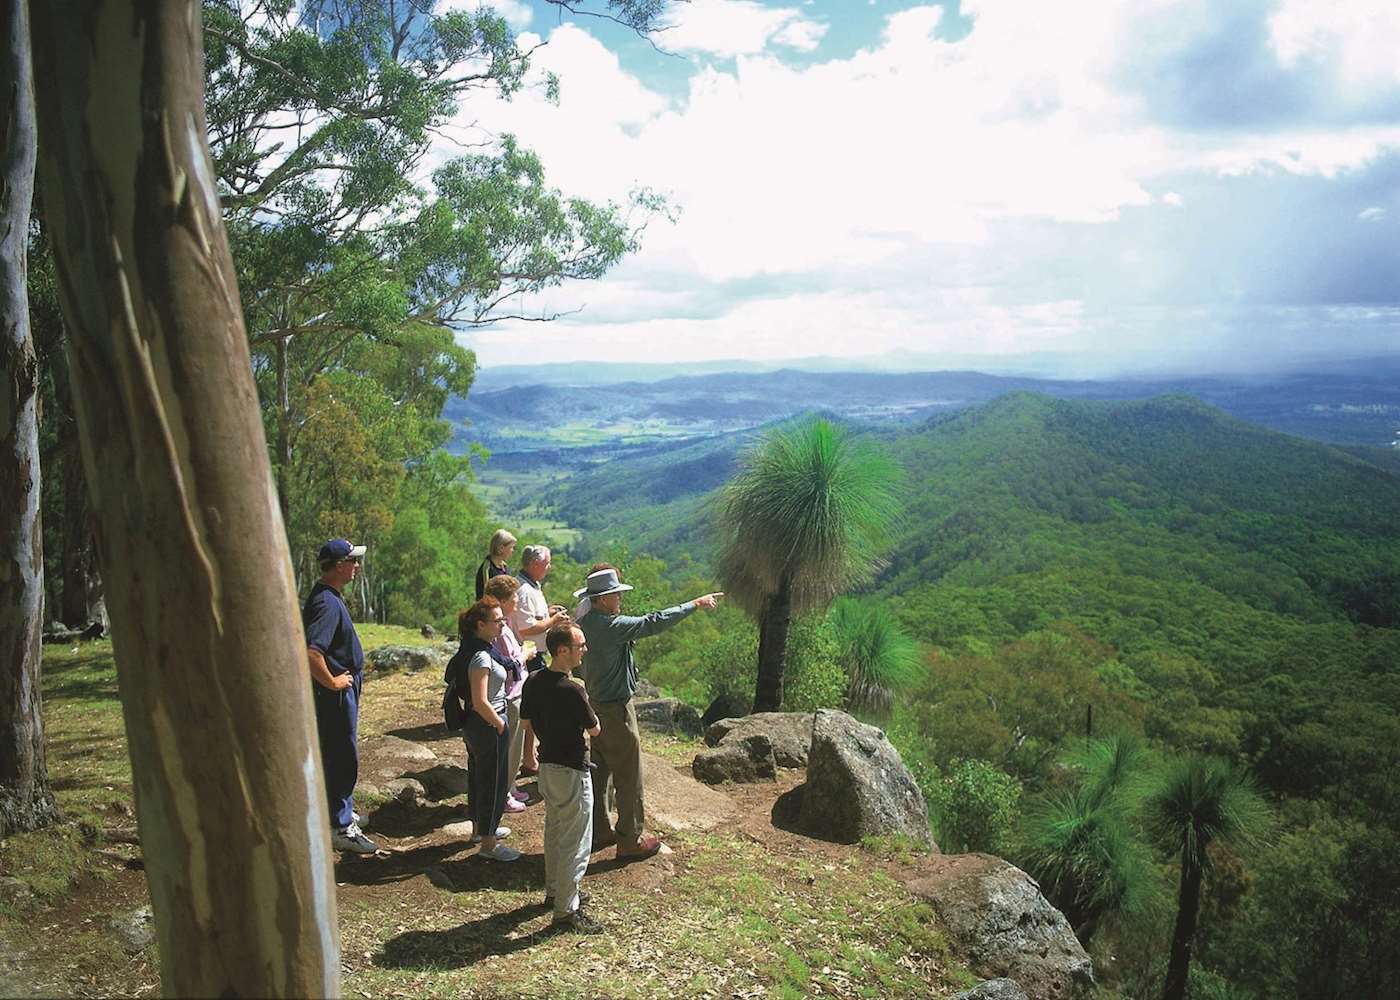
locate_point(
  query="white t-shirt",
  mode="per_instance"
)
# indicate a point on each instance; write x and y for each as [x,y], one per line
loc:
[530,606]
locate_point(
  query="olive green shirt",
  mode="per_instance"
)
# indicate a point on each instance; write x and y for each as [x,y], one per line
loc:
[608,669]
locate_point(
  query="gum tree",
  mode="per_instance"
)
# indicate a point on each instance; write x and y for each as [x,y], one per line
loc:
[26,802]
[210,655]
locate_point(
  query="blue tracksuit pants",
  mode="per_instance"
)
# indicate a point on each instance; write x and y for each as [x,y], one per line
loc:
[337,725]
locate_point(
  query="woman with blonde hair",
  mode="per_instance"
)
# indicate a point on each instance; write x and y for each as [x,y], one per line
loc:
[501,549]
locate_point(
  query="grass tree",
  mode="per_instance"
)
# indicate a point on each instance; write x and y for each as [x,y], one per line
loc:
[1199,802]
[1081,843]
[805,519]
[879,657]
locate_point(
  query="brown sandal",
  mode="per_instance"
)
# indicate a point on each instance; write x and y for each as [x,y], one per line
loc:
[643,848]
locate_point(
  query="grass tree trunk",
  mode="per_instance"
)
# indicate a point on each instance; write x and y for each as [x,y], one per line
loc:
[1188,907]
[210,656]
[26,802]
[772,649]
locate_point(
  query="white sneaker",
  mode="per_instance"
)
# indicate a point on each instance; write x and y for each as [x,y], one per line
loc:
[502,832]
[501,853]
[352,839]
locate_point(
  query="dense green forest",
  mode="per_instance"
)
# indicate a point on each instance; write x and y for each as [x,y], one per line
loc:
[1155,568]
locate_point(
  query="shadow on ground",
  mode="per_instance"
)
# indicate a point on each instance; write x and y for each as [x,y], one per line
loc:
[462,946]
[399,820]
[433,732]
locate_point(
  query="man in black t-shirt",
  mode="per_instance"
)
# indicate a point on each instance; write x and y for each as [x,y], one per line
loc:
[555,707]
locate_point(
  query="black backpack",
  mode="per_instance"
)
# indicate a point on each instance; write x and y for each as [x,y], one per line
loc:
[454,716]
[454,713]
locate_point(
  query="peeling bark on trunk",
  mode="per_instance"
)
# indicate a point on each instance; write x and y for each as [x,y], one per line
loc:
[26,803]
[210,655]
[772,649]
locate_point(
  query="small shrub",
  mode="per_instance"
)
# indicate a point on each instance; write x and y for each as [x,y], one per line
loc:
[975,807]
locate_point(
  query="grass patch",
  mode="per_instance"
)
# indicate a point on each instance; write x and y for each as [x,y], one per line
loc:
[894,847]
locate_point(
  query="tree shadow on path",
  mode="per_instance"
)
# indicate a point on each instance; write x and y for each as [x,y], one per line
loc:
[465,945]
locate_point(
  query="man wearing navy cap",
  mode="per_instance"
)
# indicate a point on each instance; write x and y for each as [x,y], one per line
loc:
[337,670]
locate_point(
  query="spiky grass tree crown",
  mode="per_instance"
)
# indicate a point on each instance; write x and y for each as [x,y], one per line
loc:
[809,506]
[1202,800]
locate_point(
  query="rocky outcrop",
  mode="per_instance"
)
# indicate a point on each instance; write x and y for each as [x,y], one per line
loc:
[442,781]
[743,760]
[392,748]
[726,706]
[789,732]
[387,659]
[1005,927]
[676,801]
[667,715]
[994,989]
[857,785]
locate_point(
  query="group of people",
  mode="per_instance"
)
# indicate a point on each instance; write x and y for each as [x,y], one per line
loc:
[563,715]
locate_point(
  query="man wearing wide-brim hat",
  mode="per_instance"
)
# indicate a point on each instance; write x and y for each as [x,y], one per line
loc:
[610,673]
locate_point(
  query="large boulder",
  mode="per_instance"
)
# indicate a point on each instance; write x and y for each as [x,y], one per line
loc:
[676,801]
[742,761]
[387,659]
[857,786]
[667,715]
[1005,927]
[789,732]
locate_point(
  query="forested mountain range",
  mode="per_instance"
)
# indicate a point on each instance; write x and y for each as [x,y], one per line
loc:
[1349,407]
[1157,566]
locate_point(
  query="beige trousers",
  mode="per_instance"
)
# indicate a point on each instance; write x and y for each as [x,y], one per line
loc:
[568,832]
[617,752]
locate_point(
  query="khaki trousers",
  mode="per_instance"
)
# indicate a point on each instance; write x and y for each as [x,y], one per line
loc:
[568,832]
[617,752]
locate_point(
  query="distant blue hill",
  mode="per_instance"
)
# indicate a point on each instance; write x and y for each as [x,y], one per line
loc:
[1358,406]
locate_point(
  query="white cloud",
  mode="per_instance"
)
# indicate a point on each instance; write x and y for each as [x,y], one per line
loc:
[804,36]
[516,12]
[1372,214]
[729,28]
[1359,37]
[883,184]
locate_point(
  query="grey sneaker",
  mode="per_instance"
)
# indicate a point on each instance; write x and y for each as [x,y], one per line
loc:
[500,853]
[578,922]
[353,840]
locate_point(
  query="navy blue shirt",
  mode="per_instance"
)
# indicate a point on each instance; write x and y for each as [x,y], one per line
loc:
[330,630]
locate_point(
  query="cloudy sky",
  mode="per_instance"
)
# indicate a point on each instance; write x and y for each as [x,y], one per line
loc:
[1086,187]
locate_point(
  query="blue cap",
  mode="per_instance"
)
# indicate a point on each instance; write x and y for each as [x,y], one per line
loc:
[339,548]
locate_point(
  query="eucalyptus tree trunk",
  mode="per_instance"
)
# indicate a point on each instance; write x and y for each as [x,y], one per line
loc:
[210,654]
[26,802]
[773,628]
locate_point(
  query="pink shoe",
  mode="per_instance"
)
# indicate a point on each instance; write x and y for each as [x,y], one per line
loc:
[519,796]
[513,806]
